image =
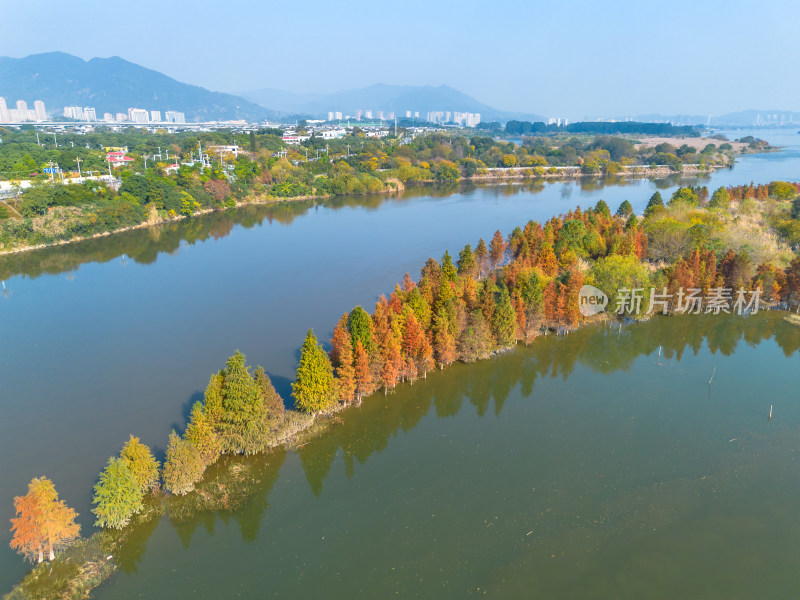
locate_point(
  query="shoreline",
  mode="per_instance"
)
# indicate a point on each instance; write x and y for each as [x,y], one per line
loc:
[497,175]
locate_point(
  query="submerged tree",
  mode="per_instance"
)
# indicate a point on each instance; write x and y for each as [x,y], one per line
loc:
[117,496]
[43,523]
[183,466]
[200,432]
[141,463]
[313,388]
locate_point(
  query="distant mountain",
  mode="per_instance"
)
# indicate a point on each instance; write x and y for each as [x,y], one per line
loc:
[383,97]
[113,85]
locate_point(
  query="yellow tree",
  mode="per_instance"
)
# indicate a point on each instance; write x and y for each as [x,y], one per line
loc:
[43,522]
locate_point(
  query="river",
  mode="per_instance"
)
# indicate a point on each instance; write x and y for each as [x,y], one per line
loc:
[118,336]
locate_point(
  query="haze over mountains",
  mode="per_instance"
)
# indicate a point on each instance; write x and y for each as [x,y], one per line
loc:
[393,98]
[115,84]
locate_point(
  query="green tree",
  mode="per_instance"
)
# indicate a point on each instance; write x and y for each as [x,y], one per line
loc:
[141,463]
[720,198]
[313,387]
[200,432]
[183,466]
[602,208]
[684,195]
[467,264]
[360,326]
[781,190]
[625,209]
[656,203]
[504,320]
[449,271]
[242,407]
[117,496]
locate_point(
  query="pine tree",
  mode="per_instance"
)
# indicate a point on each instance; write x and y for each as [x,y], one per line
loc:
[504,320]
[242,408]
[625,209]
[43,523]
[212,401]
[467,265]
[482,257]
[313,387]
[655,202]
[497,249]
[359,324]
[117,495]
[200,432]
[183,466]
[141,463]
[270,398]
[449,271]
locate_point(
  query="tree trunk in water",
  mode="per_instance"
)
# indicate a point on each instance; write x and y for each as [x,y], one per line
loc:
[40,557]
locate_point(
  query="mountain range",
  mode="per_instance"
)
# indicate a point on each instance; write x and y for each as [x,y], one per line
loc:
[113,85]
[388,98]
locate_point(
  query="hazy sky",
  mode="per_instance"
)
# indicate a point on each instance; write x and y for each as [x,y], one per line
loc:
[572,58]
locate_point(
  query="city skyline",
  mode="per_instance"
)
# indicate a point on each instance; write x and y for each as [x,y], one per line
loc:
[576,59]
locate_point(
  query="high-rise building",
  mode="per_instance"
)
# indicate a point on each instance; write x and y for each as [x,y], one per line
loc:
[74,112]
[138,115]
[38,107]
[174,116]
[107,117]
[121,117]
[89,113]
[4,116]
[408,114]
[22,108]
[155,116]
[338,115]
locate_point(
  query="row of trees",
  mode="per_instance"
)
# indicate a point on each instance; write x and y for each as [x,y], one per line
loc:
[489,298]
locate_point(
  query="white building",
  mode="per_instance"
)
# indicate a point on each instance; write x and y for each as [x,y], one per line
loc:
[4,116]
[155,116]
[121,117]
[138,115]
[38,108]
[467,119]
[89,113]
[173,116]
[73,112]
[108,117]
[332,134]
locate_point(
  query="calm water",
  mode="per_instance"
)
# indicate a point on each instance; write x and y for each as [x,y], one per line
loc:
[117,336]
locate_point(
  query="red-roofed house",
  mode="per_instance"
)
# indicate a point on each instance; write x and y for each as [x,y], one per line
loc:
[118,159]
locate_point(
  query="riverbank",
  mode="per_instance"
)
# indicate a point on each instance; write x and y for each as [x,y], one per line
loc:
[391,186]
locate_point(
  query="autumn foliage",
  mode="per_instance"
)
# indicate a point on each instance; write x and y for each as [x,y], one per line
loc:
[43,523]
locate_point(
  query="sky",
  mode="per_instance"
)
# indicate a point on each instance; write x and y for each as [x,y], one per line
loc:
[570,58]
